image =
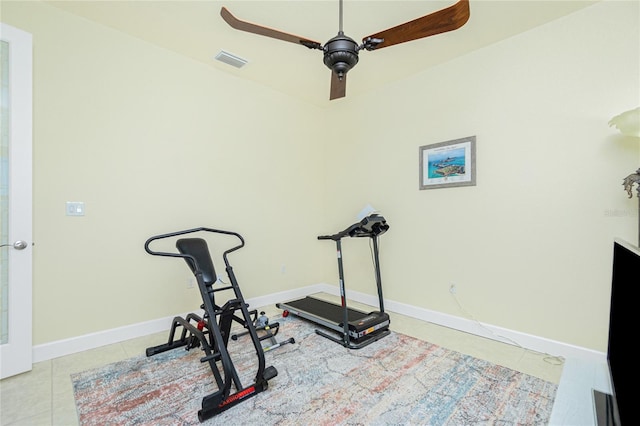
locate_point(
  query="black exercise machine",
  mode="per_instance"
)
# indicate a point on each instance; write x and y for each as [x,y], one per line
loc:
[356,328]
[211,331]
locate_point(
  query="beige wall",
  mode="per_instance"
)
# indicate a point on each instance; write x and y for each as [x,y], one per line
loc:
[529,247]
[153,142]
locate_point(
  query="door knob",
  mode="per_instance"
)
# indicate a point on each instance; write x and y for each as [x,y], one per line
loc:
[18,245]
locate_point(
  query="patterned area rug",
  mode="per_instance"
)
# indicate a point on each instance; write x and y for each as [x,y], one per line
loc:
[396,380]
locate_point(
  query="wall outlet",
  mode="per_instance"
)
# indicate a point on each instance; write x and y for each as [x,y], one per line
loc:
[453,289]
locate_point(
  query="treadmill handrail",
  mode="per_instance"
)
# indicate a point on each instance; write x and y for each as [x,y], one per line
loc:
[369,226]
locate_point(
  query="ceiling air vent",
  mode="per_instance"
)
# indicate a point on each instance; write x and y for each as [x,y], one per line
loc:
[231,59]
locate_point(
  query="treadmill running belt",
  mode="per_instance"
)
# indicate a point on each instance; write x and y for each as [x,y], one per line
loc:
[325,309]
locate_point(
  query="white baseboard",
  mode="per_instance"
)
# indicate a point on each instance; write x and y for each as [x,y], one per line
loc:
[72,345]
[528,341]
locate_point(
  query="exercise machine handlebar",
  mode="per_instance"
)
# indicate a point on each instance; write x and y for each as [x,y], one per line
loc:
[190,231]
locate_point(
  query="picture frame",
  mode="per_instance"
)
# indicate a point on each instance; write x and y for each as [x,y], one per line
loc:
[448,164]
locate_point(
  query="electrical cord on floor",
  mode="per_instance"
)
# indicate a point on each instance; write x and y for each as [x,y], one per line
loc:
[549,359]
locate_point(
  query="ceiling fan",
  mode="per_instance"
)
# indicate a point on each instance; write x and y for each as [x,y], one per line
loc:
[341,52]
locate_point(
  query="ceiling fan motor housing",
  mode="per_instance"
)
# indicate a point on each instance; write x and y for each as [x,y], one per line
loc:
[341,54]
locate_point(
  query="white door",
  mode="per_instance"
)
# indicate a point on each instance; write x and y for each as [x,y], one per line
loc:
[16,351]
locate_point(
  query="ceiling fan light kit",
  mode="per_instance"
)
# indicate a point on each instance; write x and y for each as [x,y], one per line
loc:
[341,52]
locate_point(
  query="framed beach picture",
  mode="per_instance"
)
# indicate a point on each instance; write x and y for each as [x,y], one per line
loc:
[448,164]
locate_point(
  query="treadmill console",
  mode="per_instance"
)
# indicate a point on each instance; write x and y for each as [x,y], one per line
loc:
[370,226]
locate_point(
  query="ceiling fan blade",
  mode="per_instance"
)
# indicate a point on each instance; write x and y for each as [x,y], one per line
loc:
[265,31]
[448,19]
[338,86]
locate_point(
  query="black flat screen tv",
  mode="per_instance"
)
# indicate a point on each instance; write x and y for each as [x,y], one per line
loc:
[614,409]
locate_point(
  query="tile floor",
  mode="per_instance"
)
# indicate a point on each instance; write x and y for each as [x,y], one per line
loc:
[44,396]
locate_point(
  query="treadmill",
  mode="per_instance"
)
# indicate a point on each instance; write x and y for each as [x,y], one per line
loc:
[354,328]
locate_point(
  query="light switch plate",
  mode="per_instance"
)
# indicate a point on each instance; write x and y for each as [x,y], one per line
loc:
[75,208]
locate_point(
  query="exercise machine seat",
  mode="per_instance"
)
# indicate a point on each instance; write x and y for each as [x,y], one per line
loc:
[198,249]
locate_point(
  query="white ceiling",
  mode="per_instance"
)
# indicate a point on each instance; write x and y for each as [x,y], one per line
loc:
[195,29]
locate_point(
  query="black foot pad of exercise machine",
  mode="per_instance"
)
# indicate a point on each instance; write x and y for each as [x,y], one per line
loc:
[211,331]
[355,328]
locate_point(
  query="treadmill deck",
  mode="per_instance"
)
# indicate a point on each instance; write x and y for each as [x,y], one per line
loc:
[331,316]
